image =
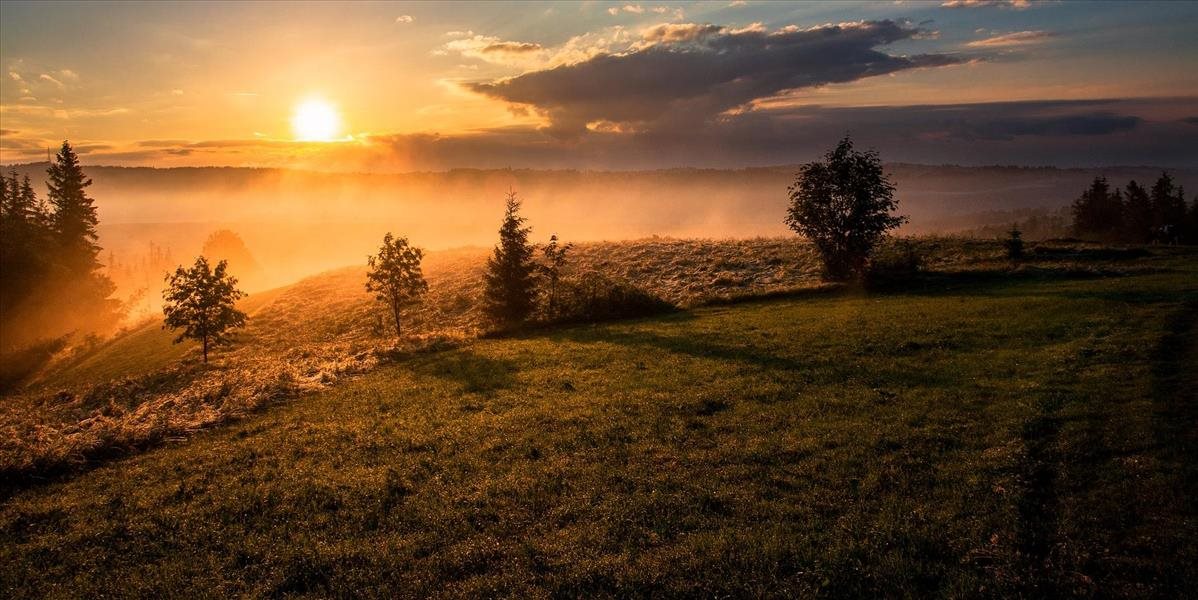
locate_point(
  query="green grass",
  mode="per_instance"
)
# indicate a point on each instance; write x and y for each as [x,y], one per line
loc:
[1018,435]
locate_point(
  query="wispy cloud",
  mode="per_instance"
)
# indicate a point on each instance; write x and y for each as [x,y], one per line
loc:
[1016,4]
[635,9]
[404,19]
[1018,38]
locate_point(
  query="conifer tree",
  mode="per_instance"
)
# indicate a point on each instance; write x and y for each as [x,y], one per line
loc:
[75,219]
[1014,244]
[510,286]
[1169,210]
[1098,212]
[1137,214]
[1192,219]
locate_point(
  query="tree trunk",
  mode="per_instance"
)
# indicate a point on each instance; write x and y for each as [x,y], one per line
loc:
[205,350]
[395,309]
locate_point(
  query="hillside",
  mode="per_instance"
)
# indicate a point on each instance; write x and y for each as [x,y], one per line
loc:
[139,389]
[984,433]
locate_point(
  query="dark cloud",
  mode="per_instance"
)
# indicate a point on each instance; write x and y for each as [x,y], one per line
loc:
[1062,133]
[683,74]
[1016,4]
[1065,133]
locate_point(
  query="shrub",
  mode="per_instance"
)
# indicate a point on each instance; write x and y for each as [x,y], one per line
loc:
[596,297]
[1014,244]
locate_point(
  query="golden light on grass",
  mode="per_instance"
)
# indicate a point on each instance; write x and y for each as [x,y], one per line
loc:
[315,120]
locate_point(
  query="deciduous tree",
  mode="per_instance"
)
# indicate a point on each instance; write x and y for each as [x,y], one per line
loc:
[844,205]
[555,261]
[395,276]
[201,301]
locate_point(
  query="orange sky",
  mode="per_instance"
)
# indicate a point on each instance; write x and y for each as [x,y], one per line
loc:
[219,83]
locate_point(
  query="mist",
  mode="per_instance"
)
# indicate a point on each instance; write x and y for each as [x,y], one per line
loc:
[297,223]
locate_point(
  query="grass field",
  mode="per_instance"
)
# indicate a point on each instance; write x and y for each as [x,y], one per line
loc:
[982,433]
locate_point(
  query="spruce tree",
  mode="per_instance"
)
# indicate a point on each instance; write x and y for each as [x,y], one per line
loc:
[1097,213]
[75,219]
[1169,210]
[26,249]
[510,287]
[1192,219]
[1014,244]
[78,283]
[1137,214]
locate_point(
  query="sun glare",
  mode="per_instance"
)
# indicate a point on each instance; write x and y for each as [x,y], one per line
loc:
[315,121]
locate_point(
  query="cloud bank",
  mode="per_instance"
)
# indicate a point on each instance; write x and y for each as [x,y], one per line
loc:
[684,74]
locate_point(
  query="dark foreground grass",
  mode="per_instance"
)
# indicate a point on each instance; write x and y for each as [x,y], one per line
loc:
[1031,436]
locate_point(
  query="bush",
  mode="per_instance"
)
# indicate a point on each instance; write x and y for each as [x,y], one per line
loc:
[596,297]
[894,262]
[1014,244]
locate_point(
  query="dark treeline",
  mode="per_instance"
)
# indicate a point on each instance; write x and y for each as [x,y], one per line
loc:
[50,278]
[1136,214]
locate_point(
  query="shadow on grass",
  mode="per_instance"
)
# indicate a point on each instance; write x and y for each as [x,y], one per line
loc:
[1175,394]
[1004,282]
[474,372]
[696,346]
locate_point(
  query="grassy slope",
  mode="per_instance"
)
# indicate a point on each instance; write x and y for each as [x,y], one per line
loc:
[138,389]
[998,436]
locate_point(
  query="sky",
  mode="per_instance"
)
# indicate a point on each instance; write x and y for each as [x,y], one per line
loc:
[395,87]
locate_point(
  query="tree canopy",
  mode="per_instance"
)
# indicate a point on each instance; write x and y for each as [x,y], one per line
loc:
[395,275]
[843,204]
[200,301]
[510,292]
[51,282]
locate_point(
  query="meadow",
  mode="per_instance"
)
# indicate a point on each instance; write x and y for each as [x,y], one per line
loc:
[983,430]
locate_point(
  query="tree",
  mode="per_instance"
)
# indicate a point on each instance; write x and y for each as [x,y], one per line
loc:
[510,287]
[843,205]
[75,219]
[1137,214]
[1169,210]
[555,261]
[224,244]
[200,301]
[1192,220]
[27,254]
[1098,212]
[395,276]
[1014,244]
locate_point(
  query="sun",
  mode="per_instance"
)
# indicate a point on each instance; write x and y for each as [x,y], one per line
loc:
[315,121]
